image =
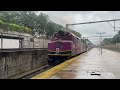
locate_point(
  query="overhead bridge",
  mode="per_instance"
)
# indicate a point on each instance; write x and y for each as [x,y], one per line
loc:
[10,36]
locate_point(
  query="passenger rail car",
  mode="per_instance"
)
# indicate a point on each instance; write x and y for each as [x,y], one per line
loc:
[65,45]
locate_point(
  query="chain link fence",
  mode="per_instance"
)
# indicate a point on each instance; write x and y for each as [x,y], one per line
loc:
[115,47]
[32,42]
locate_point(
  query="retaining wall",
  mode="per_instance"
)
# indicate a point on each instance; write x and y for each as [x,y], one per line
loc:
[13,63]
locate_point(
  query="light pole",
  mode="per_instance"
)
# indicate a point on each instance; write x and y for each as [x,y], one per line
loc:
[66,27]
[101,39]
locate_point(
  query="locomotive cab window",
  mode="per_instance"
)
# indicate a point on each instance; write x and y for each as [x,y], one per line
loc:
[62,36]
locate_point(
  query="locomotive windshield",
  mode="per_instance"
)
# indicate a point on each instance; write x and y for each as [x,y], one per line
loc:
[61,35]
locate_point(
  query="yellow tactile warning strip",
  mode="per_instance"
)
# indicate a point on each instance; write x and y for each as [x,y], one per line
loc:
[55,69]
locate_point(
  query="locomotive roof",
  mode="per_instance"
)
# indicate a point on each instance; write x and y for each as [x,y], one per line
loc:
[70,33]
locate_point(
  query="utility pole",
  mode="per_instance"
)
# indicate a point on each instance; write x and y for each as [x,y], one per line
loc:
[66,27]
[101,40]
[95,22]
[1,41]
[112,20]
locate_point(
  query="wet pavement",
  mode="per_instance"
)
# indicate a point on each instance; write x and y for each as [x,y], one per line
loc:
[92,65]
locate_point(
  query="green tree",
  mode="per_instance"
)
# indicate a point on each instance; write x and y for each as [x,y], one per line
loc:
[75,32]
[115,39]
[41,23]
[38,23]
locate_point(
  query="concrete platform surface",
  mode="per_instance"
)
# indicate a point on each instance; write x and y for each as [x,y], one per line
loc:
[92,65]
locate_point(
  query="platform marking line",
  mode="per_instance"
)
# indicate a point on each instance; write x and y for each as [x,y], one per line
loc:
[55,69]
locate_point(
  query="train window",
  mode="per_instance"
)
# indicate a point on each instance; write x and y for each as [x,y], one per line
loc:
[62,36]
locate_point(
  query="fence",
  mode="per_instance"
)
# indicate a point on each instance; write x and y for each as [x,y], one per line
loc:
[113,46]
[21,40]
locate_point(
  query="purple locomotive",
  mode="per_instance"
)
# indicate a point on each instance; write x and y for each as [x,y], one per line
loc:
[64,45]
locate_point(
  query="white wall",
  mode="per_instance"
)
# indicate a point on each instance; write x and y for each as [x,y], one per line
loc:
[10,43]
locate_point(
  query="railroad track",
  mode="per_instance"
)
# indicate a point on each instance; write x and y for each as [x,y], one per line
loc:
[51,65]
[37,72]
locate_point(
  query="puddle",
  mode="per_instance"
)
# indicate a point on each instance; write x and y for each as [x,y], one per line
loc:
[95,74]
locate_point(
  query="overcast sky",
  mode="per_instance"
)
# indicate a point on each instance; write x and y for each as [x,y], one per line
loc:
[67,17]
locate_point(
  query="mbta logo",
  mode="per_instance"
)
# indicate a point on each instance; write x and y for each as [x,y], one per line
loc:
[57,50]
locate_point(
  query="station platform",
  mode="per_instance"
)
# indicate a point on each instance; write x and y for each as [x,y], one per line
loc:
[89,65]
